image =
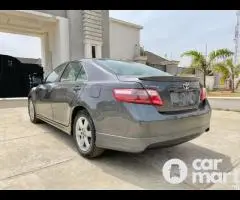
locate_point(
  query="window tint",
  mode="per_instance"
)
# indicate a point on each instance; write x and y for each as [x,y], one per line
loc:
[130,68]
[71,72]
[82,75]
[55,74]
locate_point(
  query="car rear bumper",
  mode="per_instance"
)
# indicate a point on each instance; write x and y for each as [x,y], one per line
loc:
[157,133]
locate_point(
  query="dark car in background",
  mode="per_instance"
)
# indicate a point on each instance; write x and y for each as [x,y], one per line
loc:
[118,105]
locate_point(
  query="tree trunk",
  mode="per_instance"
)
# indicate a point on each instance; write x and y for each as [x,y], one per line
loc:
[204,80]
[233,89]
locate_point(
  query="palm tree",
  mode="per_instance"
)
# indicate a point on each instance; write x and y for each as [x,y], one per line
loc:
[229,70]
[205,63]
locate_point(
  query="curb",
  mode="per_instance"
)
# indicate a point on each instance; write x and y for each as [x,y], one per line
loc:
[222,109]
[227,98]
[13,99]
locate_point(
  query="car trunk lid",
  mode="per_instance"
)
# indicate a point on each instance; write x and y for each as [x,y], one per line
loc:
[177,93]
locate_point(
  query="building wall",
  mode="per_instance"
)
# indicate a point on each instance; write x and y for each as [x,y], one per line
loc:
[123,40]
[93,33]
[106,35]
[172,69]
[86,28]
[75,34]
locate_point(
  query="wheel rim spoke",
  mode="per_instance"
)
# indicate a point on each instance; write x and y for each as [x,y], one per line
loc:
[78,132]
[85,125]
[80,123]
[88,133]
[81,141]
[87,144]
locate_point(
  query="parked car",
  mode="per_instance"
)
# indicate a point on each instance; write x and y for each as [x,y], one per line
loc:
[118,105]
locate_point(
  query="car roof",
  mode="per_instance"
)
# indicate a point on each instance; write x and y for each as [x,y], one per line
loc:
[93,59]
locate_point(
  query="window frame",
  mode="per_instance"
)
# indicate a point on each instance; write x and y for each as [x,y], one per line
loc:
[57,80]
[81,66]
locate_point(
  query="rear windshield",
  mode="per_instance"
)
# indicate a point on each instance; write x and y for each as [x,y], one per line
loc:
[123,68]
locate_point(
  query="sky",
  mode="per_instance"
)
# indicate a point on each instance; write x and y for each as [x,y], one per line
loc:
[165,32]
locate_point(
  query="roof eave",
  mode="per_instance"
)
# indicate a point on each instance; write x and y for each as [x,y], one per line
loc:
[126,23]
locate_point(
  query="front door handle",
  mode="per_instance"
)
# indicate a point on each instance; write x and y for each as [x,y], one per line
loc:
[77,88]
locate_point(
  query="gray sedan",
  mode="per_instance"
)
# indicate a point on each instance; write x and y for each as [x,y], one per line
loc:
[118,105]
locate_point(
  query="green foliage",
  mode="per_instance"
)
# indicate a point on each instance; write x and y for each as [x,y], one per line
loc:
[203,63]
[228,70]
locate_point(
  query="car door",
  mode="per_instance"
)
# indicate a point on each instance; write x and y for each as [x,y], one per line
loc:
[43,93]
[64,94]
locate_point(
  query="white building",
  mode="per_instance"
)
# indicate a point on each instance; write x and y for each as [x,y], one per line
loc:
[124,39]
[74,34]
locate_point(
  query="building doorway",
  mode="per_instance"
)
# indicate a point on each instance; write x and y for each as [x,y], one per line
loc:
[93,52]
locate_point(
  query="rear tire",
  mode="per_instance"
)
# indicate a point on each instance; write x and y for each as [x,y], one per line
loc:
[84,135]
[32,112]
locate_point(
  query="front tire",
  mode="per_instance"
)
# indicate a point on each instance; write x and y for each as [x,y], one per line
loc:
[84,134]
[32,112]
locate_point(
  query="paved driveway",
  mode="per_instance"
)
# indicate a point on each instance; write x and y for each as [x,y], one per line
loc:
[42,157]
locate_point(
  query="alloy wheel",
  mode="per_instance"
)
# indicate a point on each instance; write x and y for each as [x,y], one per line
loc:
[83,134]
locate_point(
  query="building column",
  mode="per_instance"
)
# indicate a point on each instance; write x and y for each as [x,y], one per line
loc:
[98,51]
[87,50]
[46,54]
[62,41]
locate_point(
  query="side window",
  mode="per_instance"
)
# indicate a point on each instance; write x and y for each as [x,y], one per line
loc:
[82,76]
[71,72]
[52,77]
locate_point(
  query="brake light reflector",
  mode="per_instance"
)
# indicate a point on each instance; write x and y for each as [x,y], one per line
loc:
[140,96]
[203,94]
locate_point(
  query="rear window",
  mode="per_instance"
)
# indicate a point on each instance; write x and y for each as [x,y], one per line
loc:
[123,68]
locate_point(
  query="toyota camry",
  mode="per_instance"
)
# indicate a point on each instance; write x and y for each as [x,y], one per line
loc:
[120,105]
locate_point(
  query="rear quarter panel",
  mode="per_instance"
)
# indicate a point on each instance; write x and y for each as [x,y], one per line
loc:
[109,116]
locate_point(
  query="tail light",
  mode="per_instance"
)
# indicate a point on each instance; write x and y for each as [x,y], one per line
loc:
[140,96]
[203,94]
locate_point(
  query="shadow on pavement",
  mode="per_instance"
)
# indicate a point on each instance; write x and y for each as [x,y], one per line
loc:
[145,169]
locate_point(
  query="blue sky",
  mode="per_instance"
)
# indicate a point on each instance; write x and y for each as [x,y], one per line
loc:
[173,32]
[165,32]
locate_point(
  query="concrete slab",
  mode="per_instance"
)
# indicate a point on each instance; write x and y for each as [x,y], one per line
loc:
[31,153]
[75,174]
[42,157]
[232,183]
[13,102]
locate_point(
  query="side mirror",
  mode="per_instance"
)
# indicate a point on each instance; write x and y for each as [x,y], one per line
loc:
[44,80]
[37,81]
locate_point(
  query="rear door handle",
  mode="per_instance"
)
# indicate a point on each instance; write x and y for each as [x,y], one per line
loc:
[77,88]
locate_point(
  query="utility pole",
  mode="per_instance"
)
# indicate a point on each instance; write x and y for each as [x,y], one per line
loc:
[206,53]
[236,38]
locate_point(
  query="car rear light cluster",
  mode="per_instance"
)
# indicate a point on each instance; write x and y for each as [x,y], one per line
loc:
[203,94]
[140,96]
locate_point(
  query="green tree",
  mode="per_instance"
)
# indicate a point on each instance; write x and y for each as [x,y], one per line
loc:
[228,70]
[205,63]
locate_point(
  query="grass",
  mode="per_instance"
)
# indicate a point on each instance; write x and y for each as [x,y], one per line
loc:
[223,94]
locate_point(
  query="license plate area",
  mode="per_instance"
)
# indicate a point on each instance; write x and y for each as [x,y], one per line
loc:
[183,99]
